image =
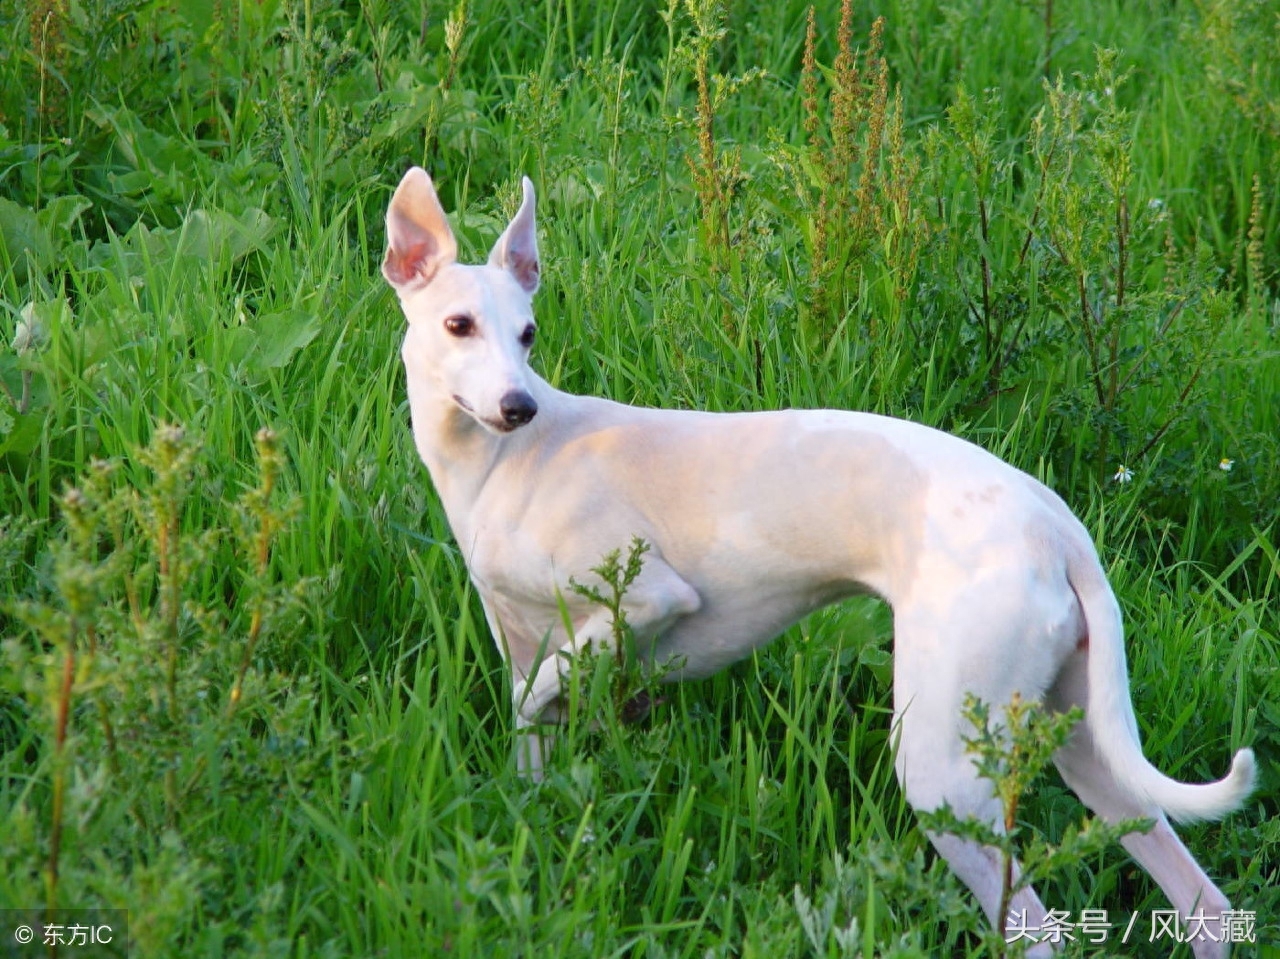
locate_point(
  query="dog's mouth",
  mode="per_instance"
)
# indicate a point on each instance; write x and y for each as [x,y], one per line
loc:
[494,426]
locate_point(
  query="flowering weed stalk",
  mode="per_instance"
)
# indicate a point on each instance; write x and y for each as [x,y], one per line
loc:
[122,628]
[1010,752]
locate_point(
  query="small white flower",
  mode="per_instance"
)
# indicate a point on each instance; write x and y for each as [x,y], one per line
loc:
[1225,464]
[1123,474]
[31,333]
[22,338]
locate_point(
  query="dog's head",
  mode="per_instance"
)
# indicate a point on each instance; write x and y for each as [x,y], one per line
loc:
[470,327]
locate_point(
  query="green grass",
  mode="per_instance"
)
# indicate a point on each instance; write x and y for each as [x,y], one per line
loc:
[191,200]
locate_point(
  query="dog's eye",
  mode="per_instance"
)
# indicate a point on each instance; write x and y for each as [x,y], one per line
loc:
[460,325]
[526,338]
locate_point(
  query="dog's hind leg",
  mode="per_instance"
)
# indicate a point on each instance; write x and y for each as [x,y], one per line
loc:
[981,868]
[930,780]
[934,770]
[1159,851]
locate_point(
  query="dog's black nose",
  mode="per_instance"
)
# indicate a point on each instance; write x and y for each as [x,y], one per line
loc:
[518,408]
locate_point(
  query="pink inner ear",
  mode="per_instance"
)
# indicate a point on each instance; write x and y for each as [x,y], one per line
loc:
[402,265]
[526,272]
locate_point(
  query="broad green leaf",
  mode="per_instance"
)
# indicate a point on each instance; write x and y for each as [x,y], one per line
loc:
[60,216]
[26,241]
[207,233]
[271,340]
[280,335]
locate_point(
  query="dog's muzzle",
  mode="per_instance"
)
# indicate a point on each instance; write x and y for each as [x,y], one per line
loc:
[517,408]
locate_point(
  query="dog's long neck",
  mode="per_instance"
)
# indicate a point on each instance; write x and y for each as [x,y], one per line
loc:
[460,454]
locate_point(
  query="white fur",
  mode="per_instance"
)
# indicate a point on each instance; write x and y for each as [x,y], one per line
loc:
[754,520]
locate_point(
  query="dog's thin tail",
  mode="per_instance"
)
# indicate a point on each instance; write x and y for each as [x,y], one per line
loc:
[1114,727]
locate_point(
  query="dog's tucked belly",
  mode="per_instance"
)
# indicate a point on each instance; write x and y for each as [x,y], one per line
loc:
[727,629]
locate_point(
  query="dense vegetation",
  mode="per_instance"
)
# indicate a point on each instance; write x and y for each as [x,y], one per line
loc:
[246,690]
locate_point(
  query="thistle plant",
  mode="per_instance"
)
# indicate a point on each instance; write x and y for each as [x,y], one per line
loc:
[1080,267]
[47,20]
[854,179]
[716,169]
[974,127]
[614,685]
[618,577]
[1010,752]
[455,36]
[68,650]
[1255,267]
[611,81]
[258,523]
[538,112]
[129,663]
[1130,334]
[1236,40]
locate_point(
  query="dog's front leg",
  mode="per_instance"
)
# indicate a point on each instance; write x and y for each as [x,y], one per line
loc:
[657,598]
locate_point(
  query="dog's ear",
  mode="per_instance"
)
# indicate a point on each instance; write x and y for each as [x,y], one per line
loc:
[419,240]
[517,249]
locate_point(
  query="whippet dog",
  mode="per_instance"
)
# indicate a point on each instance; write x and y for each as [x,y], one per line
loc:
[754,520]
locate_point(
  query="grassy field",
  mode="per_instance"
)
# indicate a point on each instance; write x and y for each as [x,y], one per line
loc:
[247,693]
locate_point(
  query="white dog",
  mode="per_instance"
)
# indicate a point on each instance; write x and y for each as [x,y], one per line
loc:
[754,520]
